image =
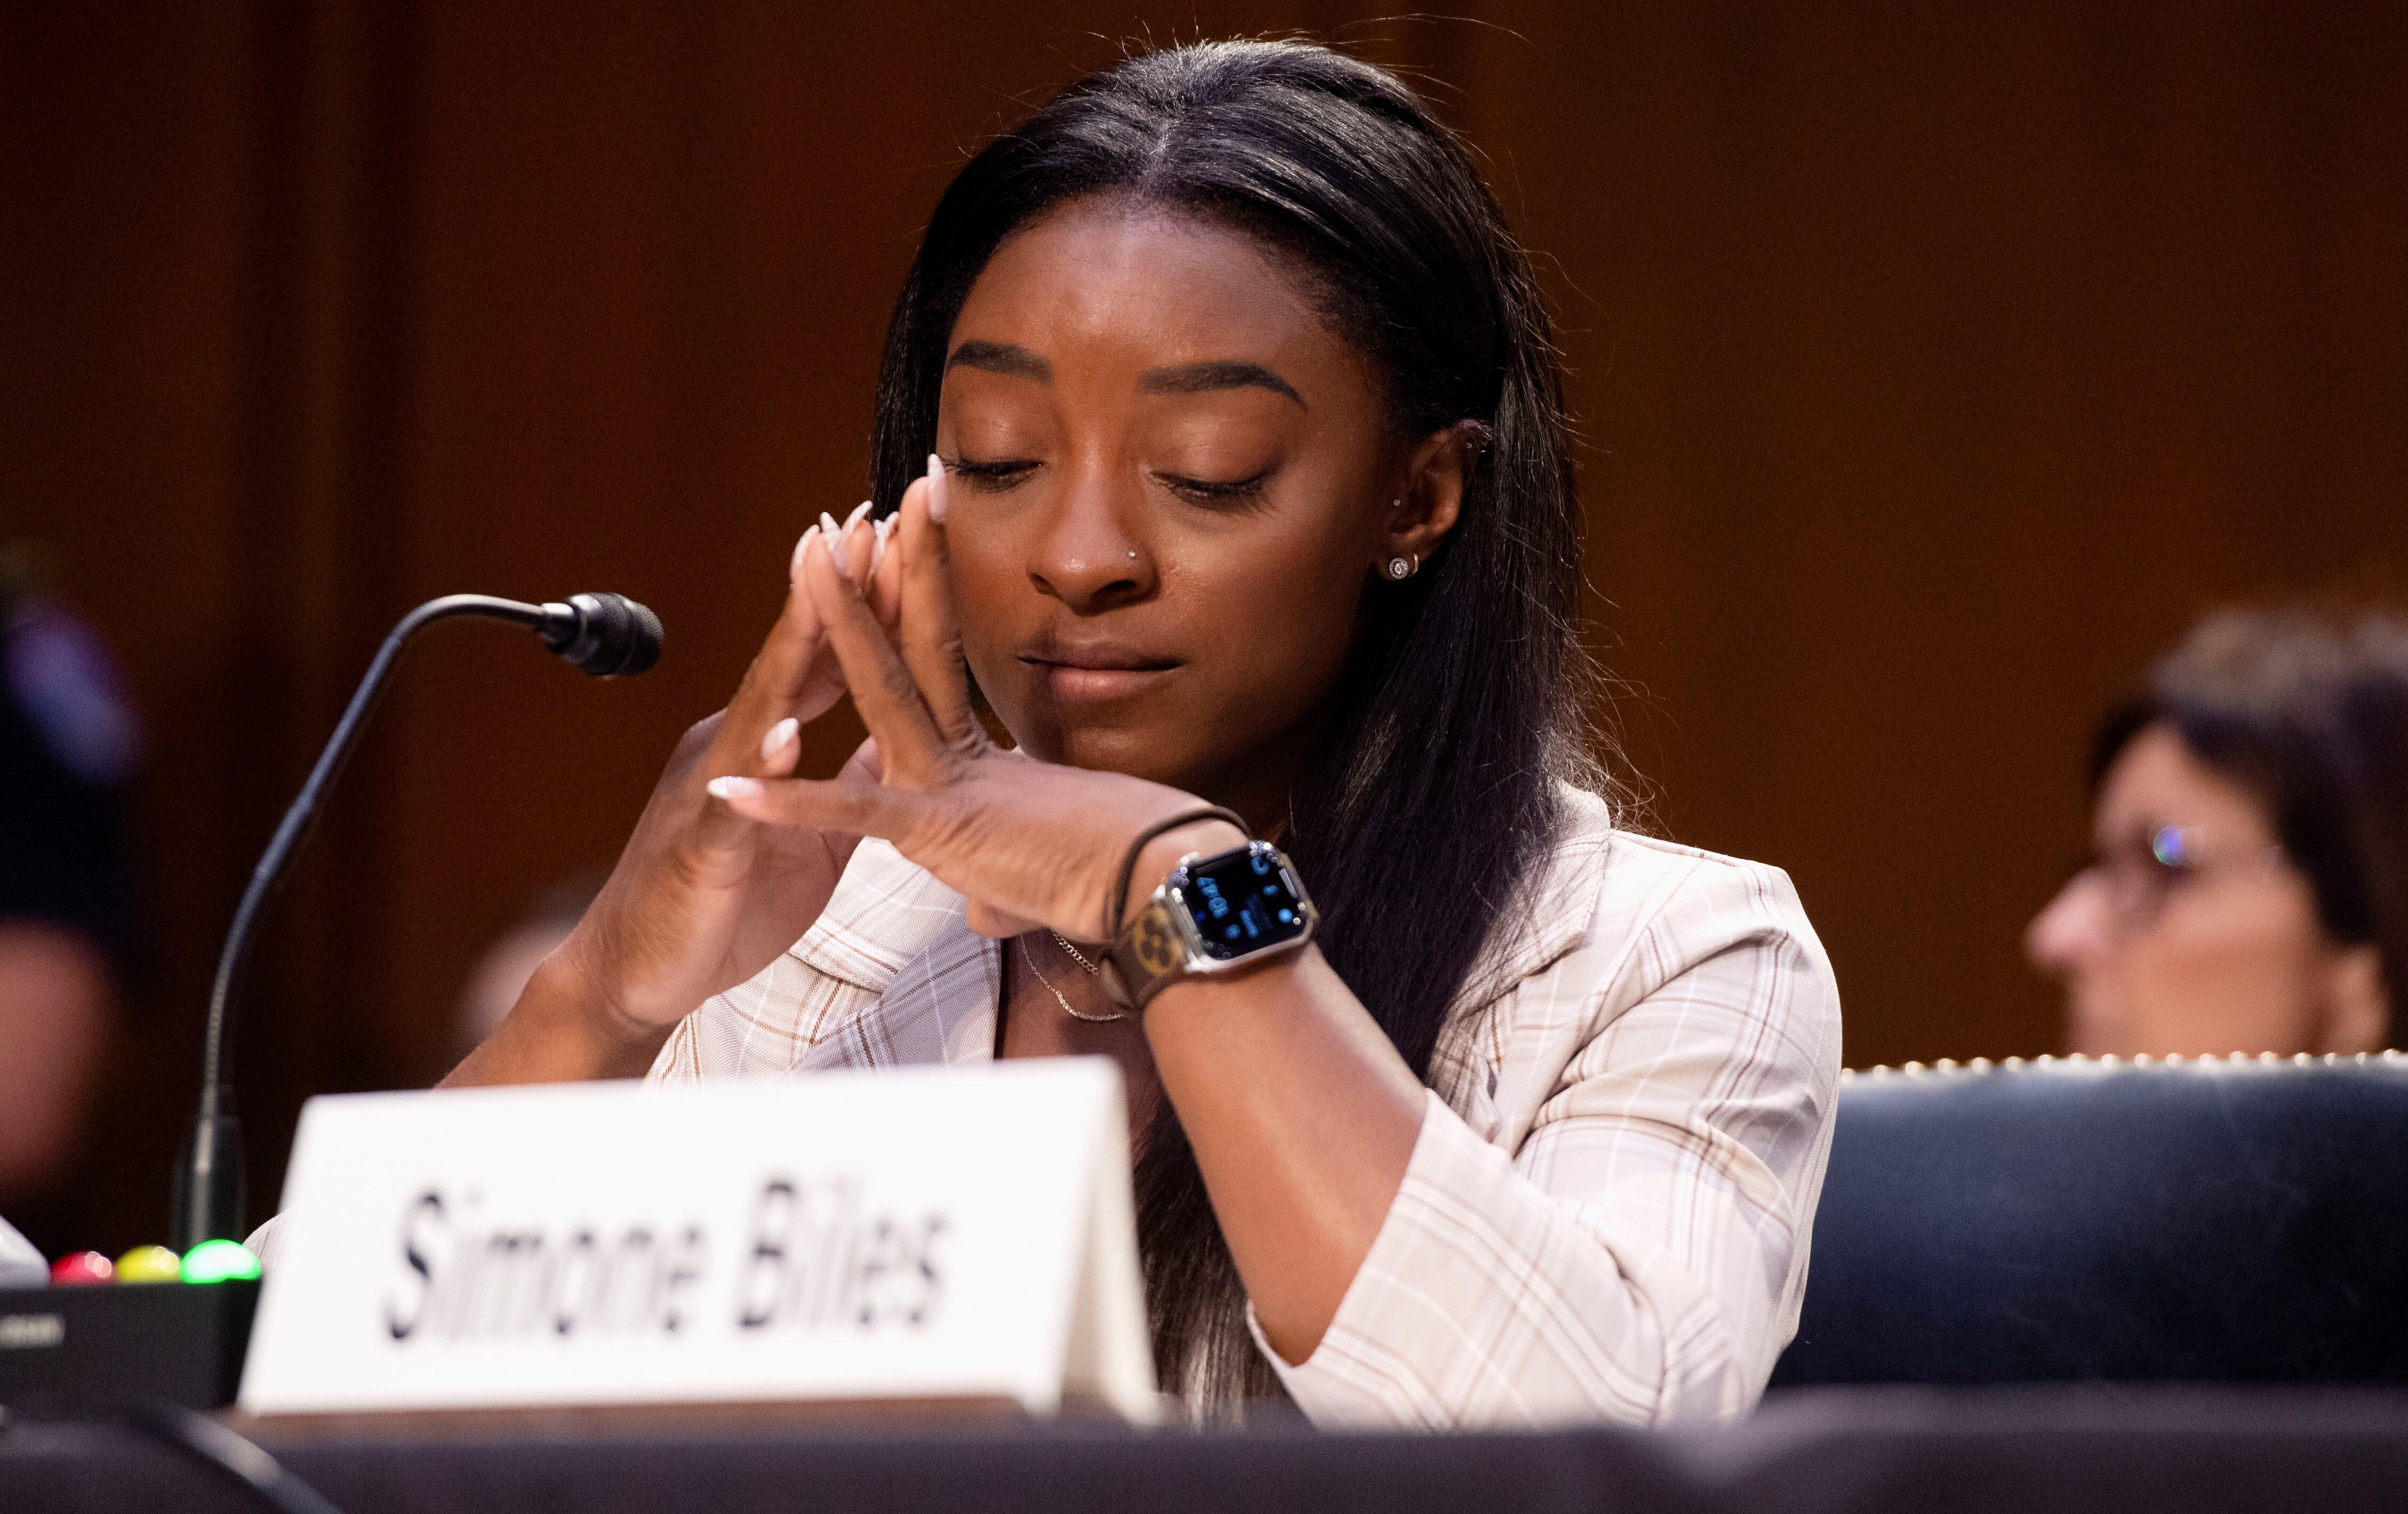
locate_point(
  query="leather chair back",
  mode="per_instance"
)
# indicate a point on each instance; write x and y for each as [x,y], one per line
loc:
[2235,1220]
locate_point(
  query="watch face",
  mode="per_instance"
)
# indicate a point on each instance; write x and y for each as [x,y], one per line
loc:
[1242,901]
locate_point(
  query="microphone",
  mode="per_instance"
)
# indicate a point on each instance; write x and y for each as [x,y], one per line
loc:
[605,635]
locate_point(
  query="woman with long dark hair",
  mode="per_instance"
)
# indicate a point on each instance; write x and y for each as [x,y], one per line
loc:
[1221,462]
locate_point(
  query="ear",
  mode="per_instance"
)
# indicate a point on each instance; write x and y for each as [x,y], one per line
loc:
[2357,1014]
[1437,473]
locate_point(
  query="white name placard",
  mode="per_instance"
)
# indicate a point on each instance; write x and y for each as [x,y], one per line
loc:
[920,1233]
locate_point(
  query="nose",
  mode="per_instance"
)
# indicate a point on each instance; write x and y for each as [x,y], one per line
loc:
[1086,554]
[2073,932]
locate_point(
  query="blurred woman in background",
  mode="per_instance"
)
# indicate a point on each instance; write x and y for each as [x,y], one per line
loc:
[2248,886]
[69,938]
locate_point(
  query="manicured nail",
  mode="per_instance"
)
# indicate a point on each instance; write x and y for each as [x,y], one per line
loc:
[779,736]
[828,524]
[732,786]
[850,522]
[796,565]
[935,488]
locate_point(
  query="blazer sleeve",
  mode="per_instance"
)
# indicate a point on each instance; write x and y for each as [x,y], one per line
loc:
[1639,1254]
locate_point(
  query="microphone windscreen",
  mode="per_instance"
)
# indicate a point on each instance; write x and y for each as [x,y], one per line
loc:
[616,637]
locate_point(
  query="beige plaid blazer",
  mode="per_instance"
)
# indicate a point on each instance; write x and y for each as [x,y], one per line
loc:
[1606,1214]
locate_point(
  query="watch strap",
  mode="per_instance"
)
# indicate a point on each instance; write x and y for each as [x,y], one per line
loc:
[1147,956]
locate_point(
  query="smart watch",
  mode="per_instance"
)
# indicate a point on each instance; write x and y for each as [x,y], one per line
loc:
[1213,914]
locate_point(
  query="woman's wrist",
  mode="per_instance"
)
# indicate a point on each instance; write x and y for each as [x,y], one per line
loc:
[565,1028]
[620,1038]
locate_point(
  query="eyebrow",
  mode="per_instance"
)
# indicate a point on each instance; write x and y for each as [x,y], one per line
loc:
[1203,377]
[1001,357]
[1016,362]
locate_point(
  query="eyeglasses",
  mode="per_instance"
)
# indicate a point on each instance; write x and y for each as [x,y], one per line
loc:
[2141,872]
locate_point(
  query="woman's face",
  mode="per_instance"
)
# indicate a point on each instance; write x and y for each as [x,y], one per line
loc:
[2202,943]
[1170,483]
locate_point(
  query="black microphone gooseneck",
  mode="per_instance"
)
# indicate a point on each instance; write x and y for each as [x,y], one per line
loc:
[603,634]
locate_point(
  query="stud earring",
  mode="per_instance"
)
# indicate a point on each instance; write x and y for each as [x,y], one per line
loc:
[1401,569]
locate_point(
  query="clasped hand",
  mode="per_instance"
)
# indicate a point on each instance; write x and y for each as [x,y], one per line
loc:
[1029,843]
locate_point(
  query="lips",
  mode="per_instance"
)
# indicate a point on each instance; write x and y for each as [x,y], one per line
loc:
[1086,672]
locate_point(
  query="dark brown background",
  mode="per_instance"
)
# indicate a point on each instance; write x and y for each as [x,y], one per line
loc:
[1935,368]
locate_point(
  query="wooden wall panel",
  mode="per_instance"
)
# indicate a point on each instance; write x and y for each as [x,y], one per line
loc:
[1939,366]
[126,173]
[1934,366]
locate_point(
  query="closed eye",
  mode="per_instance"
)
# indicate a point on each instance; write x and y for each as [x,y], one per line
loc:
[992,477]
[1217,493]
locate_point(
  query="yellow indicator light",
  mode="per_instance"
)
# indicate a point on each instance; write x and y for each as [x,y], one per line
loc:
[149,1264]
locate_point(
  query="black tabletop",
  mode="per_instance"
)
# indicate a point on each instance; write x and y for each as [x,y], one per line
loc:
[1959,1449]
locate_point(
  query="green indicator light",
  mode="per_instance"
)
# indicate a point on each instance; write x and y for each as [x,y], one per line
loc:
[219,1261]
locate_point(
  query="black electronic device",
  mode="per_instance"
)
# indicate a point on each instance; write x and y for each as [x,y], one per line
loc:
[121,1343]
[1213,914]
[1241,902]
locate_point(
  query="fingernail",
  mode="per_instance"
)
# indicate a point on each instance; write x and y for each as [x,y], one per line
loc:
[935,488]
[828,524]
[780,734]
[851,521]
[734,788]
[796,565]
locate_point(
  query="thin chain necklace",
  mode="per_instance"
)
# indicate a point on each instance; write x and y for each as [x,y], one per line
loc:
[1030,958]
[1076,955]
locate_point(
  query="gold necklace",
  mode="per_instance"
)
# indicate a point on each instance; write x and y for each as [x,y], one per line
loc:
[1076,955]
[1030,958]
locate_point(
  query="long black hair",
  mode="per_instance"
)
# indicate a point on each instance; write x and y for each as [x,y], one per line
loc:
[1461,711]
[2308,710]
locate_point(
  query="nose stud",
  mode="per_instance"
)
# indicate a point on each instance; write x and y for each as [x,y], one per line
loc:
[1132,555]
